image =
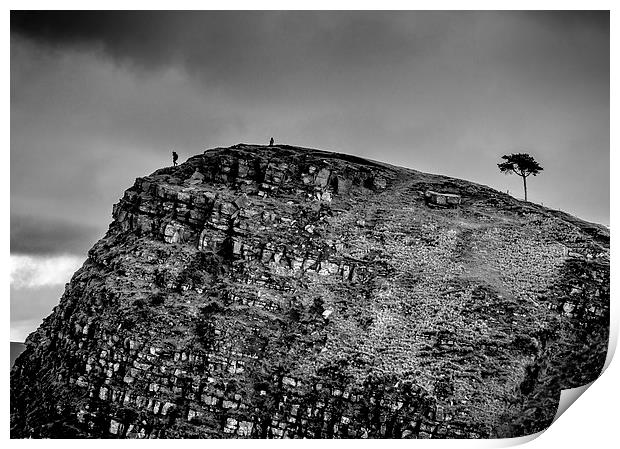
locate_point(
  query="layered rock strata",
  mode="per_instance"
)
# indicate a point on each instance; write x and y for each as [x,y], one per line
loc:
[283,292]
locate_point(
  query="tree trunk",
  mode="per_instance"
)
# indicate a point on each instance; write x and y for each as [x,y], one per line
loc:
[525,187]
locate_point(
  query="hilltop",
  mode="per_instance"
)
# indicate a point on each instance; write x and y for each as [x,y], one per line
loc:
[281,291]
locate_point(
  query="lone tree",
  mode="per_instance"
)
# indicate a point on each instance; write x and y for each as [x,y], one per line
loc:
[522,164]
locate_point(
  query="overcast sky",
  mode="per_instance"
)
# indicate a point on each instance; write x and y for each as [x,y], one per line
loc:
[100,98]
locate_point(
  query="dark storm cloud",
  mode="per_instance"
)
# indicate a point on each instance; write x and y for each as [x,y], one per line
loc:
[258,54]
[574,18]
[41,235]
[148,38]
[156,38]
[240,48]
[153,38]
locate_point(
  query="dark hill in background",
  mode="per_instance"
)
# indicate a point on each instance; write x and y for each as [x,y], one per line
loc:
[280,291]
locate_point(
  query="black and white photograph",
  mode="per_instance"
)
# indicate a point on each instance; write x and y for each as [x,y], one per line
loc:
[307,224]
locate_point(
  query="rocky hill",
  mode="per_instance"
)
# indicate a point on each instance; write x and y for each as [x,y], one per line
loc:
[284,292]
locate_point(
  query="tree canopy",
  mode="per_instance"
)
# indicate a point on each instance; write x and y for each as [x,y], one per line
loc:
[521,164]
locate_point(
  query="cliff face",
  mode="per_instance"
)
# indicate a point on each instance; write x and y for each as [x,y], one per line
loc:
[272,292]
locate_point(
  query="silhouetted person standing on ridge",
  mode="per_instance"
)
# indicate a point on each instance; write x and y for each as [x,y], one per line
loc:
[175,158]
[271,142]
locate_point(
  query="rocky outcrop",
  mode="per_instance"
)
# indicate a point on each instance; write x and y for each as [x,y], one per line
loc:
[442,199]
[283,292]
